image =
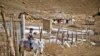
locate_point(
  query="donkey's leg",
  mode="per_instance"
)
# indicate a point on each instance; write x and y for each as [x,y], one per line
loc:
[41,52]
[34,52]
[37,52]
[24,52]
[21,51]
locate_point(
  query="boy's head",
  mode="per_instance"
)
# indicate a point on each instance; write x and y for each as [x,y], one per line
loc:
[31,29]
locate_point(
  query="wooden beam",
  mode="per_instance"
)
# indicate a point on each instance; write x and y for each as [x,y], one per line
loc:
[8,20]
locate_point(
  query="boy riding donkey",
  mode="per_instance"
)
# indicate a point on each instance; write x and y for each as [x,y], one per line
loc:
[30,38]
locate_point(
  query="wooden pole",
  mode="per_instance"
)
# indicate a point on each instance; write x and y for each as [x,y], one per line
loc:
[63,38]
[5,28]
[57,34]
[76,37]
[87,34]
[12,37]
[72,38]
[41,35]
[23,24]
[15,39]
[67,36]
[49,35]
[14,34]
[82,36]
[39,28]
[23,28]
[89,37]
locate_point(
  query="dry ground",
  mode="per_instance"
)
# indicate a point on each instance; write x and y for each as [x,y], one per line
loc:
[84,50]
[81,50]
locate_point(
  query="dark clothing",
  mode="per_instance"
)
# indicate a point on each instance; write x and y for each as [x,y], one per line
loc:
[30,44]
[30,38]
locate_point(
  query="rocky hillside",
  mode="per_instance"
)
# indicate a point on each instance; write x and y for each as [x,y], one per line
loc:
[69,6]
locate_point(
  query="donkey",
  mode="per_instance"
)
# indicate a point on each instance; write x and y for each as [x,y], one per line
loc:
[37,46]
